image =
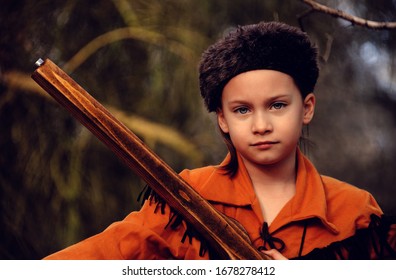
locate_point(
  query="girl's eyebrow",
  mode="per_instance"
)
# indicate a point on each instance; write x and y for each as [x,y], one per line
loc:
[281,97]
[268,100]
[237,101]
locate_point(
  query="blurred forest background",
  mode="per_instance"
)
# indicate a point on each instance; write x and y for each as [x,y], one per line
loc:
[59,184]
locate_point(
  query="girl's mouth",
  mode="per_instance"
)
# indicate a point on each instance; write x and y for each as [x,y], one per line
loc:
[264,145]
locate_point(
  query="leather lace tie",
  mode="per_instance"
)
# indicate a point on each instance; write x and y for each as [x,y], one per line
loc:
[271,241]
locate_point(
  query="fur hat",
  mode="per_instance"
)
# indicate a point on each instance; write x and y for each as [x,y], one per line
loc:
[266,45]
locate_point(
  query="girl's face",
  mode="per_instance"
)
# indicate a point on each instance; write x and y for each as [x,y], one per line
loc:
[263,112]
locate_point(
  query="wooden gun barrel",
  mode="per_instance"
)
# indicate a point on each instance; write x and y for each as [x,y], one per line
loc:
[227,239]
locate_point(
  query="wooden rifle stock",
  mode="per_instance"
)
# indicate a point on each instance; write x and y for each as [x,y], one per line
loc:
[223,235]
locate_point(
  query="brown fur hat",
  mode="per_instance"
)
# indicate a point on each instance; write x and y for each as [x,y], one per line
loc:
[266,45]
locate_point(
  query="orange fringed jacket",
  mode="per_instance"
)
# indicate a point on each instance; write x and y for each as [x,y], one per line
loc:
[323,210]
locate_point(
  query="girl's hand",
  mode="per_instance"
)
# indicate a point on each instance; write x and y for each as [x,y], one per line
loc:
[274,254]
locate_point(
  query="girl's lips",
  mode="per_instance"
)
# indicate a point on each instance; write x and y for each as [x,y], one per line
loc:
[265,144]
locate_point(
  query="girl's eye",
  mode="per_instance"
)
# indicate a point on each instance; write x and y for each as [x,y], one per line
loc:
[278,105]
[242,110]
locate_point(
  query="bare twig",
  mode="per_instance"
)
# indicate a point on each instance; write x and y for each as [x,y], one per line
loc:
[353,19]
[126,11]
[329,44]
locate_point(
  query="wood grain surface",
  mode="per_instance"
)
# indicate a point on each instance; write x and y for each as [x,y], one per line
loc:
[225,237]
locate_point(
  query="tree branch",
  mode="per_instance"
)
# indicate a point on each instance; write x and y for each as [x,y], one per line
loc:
[119,34]
[353,19]
[150,131]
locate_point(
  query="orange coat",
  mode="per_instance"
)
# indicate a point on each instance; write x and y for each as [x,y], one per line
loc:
[323,210]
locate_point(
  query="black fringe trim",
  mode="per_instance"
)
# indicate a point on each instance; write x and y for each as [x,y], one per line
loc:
[175,220]
[361,245]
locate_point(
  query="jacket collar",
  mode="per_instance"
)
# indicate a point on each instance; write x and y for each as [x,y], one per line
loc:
[308,202]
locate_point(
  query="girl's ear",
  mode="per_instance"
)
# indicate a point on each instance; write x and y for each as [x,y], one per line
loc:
[222,121]
[309,108]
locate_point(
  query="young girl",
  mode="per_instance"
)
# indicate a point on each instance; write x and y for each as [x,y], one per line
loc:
[259,80]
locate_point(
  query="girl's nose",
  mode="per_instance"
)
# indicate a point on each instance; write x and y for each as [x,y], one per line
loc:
[261,124]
